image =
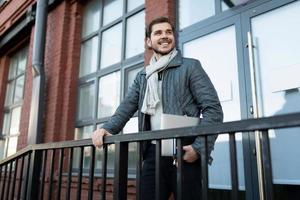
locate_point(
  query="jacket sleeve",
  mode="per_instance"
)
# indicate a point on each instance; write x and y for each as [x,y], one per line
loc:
[207,101]
[126,109]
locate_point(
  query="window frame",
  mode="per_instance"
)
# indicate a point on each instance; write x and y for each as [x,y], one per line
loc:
[9,107]
[123,66]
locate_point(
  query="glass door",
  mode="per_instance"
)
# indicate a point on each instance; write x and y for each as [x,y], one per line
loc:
[274,29]
[217,51]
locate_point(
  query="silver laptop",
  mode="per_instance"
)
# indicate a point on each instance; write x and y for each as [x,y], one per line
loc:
[168,147]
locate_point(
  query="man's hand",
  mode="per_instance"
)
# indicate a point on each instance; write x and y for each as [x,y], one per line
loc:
[190,154]
[97,137]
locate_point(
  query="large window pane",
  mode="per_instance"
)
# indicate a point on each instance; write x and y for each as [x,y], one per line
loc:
[91,18]
[222,45]
[109,94]
[131,76]
[132,127]
[9,93]
[112,10]
[19,89]
[2,149]
[132,4]
[277,62]
[192,11]
[86,102]
[12,146]
[22,61]
[135,34]
[111,46]
[15,121]
[13,67]
[83,133]
[6,124]
[88,58]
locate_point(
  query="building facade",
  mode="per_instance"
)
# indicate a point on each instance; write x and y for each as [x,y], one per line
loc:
[94,49]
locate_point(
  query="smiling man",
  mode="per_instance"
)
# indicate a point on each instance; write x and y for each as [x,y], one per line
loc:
[170,84]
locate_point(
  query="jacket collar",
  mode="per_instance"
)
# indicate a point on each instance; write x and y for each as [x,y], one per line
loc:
[175,62]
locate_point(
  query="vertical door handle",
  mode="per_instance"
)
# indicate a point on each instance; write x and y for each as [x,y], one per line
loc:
[250,46]
[254,110]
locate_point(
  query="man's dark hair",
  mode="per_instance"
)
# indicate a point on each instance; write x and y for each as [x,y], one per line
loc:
[158,21]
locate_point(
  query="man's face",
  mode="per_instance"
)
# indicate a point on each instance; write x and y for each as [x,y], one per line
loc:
[162,39]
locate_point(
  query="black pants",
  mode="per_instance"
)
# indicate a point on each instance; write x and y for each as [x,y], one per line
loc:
[191,178]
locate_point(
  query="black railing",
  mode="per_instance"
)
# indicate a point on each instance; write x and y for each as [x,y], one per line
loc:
[45,171]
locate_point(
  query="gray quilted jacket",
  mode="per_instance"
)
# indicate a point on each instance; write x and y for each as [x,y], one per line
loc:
[187,90]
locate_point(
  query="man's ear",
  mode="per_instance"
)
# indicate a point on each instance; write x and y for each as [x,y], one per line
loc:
[148,42]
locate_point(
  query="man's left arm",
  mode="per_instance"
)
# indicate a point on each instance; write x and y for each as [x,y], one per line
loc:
[207,100]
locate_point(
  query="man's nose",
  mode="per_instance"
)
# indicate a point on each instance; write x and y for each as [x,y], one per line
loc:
[164,35]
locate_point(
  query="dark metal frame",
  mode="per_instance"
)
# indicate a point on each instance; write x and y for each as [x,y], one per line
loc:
[124,64]
[238,16]
[32,172]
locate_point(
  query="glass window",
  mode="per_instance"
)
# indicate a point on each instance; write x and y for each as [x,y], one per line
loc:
[113,9]
[15,121]
[9,93]
[222,45]
[86,102]
[6,124]
[132,127]
[135,36]
[22,62]
[132,4]
[13,101]
[109,94]
[12,146]
[13,67]
[88,58]
[106,63]
[111,46]
[131,76]
[83,133]
[2,149]
[91,18]
[192,11]
[19,89]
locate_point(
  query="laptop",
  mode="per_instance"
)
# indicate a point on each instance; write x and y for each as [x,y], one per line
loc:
[168,147]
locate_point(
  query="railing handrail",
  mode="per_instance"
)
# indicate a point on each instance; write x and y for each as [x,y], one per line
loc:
[245,125]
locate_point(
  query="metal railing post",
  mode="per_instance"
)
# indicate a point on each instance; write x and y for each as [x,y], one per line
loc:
[121,170]
[34,175]
[266,165]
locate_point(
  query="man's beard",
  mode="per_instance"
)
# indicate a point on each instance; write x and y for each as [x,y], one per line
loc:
[162,53]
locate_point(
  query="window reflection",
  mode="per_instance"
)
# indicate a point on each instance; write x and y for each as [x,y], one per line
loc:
[132,127]
[131,76]
[88,57]
[112,10]
[19,89]
[86,102]
[12,146]
[135,36]
[132,4]
[192,11]
[15,121]
[91,18]
[111,46]
[109,94]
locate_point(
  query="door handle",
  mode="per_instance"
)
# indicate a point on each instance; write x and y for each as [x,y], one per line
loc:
[250,46]
[254,110]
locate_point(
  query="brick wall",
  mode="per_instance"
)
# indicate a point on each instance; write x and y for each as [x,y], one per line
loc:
[62,57]
[157,8]
[61,68]
[11,12]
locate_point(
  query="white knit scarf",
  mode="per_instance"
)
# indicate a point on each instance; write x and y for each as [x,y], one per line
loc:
[151,98]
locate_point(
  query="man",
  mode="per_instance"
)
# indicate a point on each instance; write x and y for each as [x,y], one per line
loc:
[174,85]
